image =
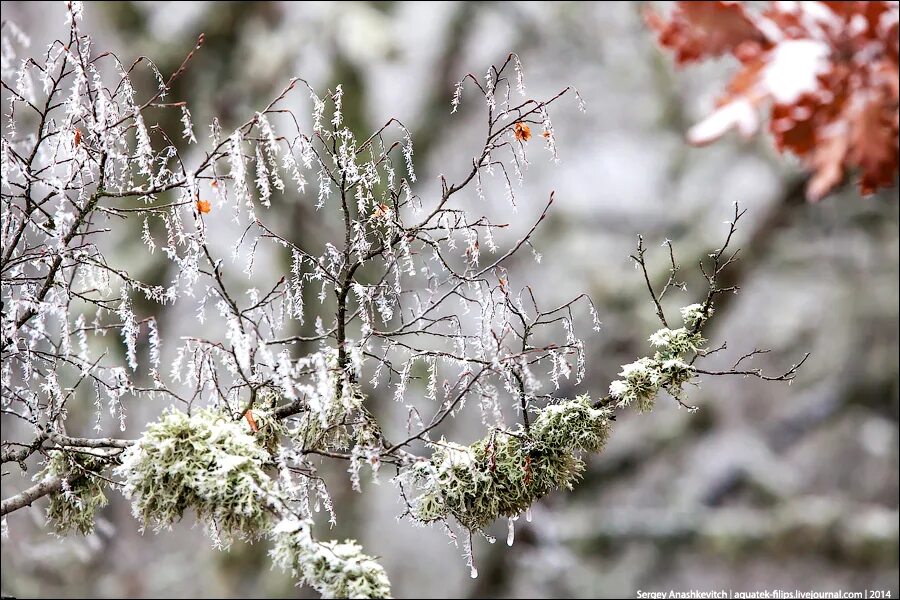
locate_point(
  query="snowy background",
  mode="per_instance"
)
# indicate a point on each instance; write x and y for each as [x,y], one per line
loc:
[767,486]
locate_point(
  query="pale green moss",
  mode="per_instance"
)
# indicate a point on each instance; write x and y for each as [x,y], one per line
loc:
[694,315]
[329,426]
[667,369]
[206,462]
[75,507]
[214,465]
[335,570]
[269,429]
[506,472]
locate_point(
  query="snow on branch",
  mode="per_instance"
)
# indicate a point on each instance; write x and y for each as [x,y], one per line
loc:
[412,300]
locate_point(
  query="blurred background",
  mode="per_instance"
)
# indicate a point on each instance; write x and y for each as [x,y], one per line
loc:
[767,486]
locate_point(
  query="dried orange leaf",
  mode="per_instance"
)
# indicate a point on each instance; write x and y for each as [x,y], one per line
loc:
[698,30]
[251,421]
[522,131]
[382,211]
[827,72]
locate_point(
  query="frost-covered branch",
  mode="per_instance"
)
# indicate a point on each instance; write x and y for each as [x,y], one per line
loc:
[413,299]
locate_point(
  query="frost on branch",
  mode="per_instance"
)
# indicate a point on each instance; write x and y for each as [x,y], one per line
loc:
[666,369]
[412,299]
[205,462]
[335,570]
[827,70]
[75,507]
[214,466]
[504,473]
[266,427]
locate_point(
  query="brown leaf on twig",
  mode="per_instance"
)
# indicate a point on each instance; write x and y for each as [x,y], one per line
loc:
[828,72]
[251,421]
[522,132]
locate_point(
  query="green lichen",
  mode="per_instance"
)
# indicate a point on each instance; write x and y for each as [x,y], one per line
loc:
[82,495]
[330,425]
[695,315]
[269,429]
[214,465]
[335,570]
[206,462]
[667,369]
[504,473]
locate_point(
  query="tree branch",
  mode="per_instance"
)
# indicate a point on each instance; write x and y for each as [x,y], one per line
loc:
[26,497]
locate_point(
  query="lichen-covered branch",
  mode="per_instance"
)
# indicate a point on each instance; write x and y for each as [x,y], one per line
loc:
[414,299]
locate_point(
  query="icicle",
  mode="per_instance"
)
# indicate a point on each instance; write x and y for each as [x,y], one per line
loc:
[528,514]
[511,533]
[470,555]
